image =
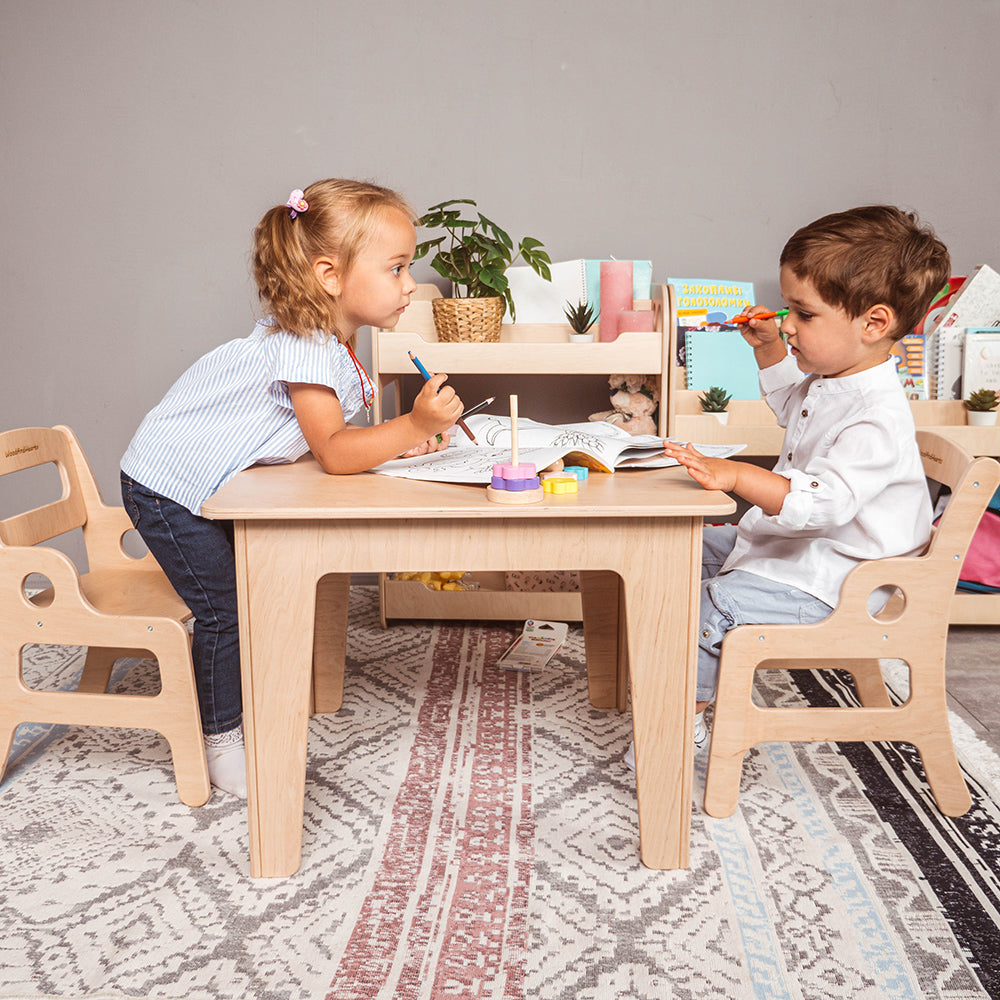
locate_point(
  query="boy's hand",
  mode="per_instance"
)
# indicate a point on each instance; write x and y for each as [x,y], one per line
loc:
[436,408]
[712,473]
[759,332]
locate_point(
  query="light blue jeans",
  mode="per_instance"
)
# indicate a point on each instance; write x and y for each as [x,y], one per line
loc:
[740,598]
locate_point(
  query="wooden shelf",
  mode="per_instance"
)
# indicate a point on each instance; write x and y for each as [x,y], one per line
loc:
[752,423]
[523,349]
[492,602]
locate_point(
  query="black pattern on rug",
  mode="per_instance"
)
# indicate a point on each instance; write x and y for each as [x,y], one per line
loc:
[958,856]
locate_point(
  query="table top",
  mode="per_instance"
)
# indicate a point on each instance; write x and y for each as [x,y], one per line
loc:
[302,491]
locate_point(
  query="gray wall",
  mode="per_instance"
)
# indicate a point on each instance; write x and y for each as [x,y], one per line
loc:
[142,141]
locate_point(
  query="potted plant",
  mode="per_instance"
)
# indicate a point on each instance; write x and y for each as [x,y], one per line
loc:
[981,407]
[715,400]
[474,254]
[582,317]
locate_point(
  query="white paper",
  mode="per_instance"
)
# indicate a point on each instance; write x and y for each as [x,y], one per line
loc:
[540,444]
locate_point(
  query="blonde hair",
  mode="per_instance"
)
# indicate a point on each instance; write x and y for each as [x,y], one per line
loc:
[870,255]
[338,223]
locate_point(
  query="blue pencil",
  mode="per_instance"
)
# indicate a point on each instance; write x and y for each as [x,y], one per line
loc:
[427,377]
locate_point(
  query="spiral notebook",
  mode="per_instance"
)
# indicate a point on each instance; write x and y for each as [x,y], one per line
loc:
[722,358]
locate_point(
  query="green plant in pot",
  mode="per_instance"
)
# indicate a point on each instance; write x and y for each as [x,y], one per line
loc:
[981,406]
[715,400]
[474,255]
[581,316]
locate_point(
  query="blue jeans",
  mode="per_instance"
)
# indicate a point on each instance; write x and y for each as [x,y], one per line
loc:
[740,598]
[197,557]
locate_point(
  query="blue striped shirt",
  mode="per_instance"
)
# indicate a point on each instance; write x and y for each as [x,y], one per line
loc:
[232,409]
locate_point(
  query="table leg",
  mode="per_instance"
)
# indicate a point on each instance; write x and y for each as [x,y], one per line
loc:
[276,586]
[660,585]
[333,595]
[604,639]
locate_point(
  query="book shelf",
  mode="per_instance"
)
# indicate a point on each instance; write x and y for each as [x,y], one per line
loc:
[752,423]
[523,349]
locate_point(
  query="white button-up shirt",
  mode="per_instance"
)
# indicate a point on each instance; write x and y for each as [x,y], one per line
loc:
[858,489]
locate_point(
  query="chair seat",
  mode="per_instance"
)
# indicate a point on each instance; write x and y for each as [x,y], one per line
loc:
[126,592]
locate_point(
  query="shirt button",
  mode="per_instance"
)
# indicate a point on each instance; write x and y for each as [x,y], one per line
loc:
[705,633]
[805,413]
[814,485]
[789,456]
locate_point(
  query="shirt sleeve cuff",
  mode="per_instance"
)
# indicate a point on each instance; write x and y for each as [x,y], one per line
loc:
[800,502]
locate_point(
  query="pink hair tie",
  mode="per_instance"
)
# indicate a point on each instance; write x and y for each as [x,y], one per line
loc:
[297,203]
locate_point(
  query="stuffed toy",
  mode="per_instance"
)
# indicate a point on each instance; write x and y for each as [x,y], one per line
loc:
[634,398]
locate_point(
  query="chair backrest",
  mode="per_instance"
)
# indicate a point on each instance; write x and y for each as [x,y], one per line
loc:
[31,447]
[972,482]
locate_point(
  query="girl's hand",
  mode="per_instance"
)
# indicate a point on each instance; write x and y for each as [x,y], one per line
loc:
[437,407]
[426,447]
[712,473]
[759,332]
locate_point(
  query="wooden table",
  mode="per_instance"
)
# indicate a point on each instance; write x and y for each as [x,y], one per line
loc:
[635,537]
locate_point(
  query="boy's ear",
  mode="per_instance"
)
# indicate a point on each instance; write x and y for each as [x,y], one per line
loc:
[328,275]
[879,322]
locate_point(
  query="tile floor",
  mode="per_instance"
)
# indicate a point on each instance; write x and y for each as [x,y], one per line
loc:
[973,679]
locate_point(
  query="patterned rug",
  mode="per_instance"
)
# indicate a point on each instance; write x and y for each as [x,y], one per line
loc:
[471,832]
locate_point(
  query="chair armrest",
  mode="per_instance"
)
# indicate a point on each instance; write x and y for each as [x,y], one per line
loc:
[103,533]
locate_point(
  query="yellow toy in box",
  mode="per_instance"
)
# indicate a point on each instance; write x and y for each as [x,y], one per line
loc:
[436,581]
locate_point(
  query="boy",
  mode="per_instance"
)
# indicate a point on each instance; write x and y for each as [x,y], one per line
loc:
[848,484]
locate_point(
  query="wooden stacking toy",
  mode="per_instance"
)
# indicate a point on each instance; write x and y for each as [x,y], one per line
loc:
[514,481]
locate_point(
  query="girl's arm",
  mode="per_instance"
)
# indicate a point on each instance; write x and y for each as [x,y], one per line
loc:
[341,448]
[761,487]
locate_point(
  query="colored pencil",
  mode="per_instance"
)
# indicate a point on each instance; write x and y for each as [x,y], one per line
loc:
[427,377]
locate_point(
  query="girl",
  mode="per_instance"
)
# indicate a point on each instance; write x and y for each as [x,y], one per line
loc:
[332,259]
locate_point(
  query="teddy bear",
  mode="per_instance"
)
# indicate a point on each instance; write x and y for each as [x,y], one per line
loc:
[634,398]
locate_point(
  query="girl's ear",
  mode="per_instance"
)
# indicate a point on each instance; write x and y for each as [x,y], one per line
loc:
[328,275]
[879,321]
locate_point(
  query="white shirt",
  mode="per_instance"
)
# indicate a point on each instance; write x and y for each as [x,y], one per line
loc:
[232,409]
[858,489]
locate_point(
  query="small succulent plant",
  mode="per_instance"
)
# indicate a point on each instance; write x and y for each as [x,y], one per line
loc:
[714,400]
[982,400]
[581,316]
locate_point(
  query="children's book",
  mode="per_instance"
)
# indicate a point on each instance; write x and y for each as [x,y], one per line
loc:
[981,362]
[707,304]
[595,445]
[977,302]
[723,358]
[539,301]
[910,356]
[946,351]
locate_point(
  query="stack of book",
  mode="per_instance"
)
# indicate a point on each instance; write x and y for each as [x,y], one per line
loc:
[962,337]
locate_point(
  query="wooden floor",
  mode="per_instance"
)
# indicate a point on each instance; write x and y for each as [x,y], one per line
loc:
[974,679]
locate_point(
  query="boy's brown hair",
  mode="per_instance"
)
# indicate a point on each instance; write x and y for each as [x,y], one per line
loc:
[341,218]
[870,255]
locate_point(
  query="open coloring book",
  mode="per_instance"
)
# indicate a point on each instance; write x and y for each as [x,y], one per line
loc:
[600,446]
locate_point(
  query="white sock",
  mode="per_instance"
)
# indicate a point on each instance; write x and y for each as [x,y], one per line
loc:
[227,762]
[700,740]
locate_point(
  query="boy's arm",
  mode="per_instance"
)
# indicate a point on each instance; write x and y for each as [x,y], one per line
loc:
[761,487]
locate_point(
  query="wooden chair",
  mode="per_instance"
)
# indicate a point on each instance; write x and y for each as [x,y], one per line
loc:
[121,607]
[912,627]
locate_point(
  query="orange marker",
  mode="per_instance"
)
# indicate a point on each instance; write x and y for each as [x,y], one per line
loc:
[768,315]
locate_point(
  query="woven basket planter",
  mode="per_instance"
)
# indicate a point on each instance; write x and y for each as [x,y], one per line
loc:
[468,320]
